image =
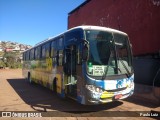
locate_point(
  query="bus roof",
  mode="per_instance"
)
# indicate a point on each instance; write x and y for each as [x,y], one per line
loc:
[84,27]
[98,28]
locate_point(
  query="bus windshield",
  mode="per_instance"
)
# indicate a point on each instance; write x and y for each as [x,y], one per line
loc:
[109,53]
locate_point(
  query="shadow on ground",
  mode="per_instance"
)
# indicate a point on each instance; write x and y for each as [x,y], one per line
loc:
[42,99]
[142,102]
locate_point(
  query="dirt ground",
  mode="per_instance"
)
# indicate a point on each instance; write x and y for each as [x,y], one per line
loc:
[22,99]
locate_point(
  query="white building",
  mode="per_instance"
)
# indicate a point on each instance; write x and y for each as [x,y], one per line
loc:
[1,49]
[17,48]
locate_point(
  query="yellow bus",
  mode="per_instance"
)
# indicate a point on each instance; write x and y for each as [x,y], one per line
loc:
[90,64]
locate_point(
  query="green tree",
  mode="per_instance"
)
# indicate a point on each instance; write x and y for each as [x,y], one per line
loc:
[10,59]
[2,64]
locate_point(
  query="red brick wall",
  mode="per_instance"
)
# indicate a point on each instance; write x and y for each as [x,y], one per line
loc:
[140,19]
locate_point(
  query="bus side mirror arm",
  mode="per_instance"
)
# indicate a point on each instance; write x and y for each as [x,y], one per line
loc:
[85,41]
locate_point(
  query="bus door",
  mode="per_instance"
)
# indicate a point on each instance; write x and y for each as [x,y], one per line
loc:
[70,71]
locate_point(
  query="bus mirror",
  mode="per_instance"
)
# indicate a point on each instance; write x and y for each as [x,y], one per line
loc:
[85,53]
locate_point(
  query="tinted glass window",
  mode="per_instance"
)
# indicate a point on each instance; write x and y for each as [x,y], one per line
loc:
[43,51]
[73,36]
[53,48]
[37,52]
[32,54]
[60,43]
[60,57]
[47,49]
[27,55]
[123,52]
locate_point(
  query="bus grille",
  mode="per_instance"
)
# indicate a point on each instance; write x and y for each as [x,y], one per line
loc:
[116,90]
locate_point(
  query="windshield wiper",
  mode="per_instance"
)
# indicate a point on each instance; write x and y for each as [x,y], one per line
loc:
[127,70]
[106,70]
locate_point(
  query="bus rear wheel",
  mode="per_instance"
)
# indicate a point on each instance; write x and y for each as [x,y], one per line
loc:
[29,78]
[55,85]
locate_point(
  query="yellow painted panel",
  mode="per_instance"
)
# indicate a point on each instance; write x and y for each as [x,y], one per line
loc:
[59,83]
[49,64]
[107,94]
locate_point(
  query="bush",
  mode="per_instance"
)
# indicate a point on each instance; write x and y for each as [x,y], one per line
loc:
[2,64]
[11,60]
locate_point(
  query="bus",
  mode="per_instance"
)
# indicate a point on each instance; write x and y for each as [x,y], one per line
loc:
[90,64]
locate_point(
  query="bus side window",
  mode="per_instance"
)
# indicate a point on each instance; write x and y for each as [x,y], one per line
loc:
[54,52]
[32,54]
[53,49]
[39,52]
[28,55]
[36,53]
[60,57]
[47,50]
[43,51]
[25,56]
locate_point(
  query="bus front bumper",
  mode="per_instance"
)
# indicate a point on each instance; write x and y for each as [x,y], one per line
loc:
[105,97]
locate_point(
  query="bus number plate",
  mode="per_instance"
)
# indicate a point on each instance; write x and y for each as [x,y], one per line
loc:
[118,96]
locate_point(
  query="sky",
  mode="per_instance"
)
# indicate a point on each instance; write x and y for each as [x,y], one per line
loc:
[32,21]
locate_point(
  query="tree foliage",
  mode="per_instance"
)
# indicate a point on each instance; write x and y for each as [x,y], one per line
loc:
[11,60]
[2,64]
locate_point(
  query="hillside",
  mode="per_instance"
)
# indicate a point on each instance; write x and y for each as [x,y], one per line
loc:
[11,54]
[8,46]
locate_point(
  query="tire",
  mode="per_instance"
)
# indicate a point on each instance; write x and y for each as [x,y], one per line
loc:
[29,78]
[55,85]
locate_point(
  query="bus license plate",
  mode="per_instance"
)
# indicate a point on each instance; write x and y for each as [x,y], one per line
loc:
[118,96]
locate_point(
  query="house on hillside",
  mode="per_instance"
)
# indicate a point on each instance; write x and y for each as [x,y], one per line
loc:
[1,49]
[9,50]
[17,48]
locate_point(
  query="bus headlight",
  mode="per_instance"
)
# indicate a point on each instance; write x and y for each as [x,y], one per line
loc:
[94,88]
